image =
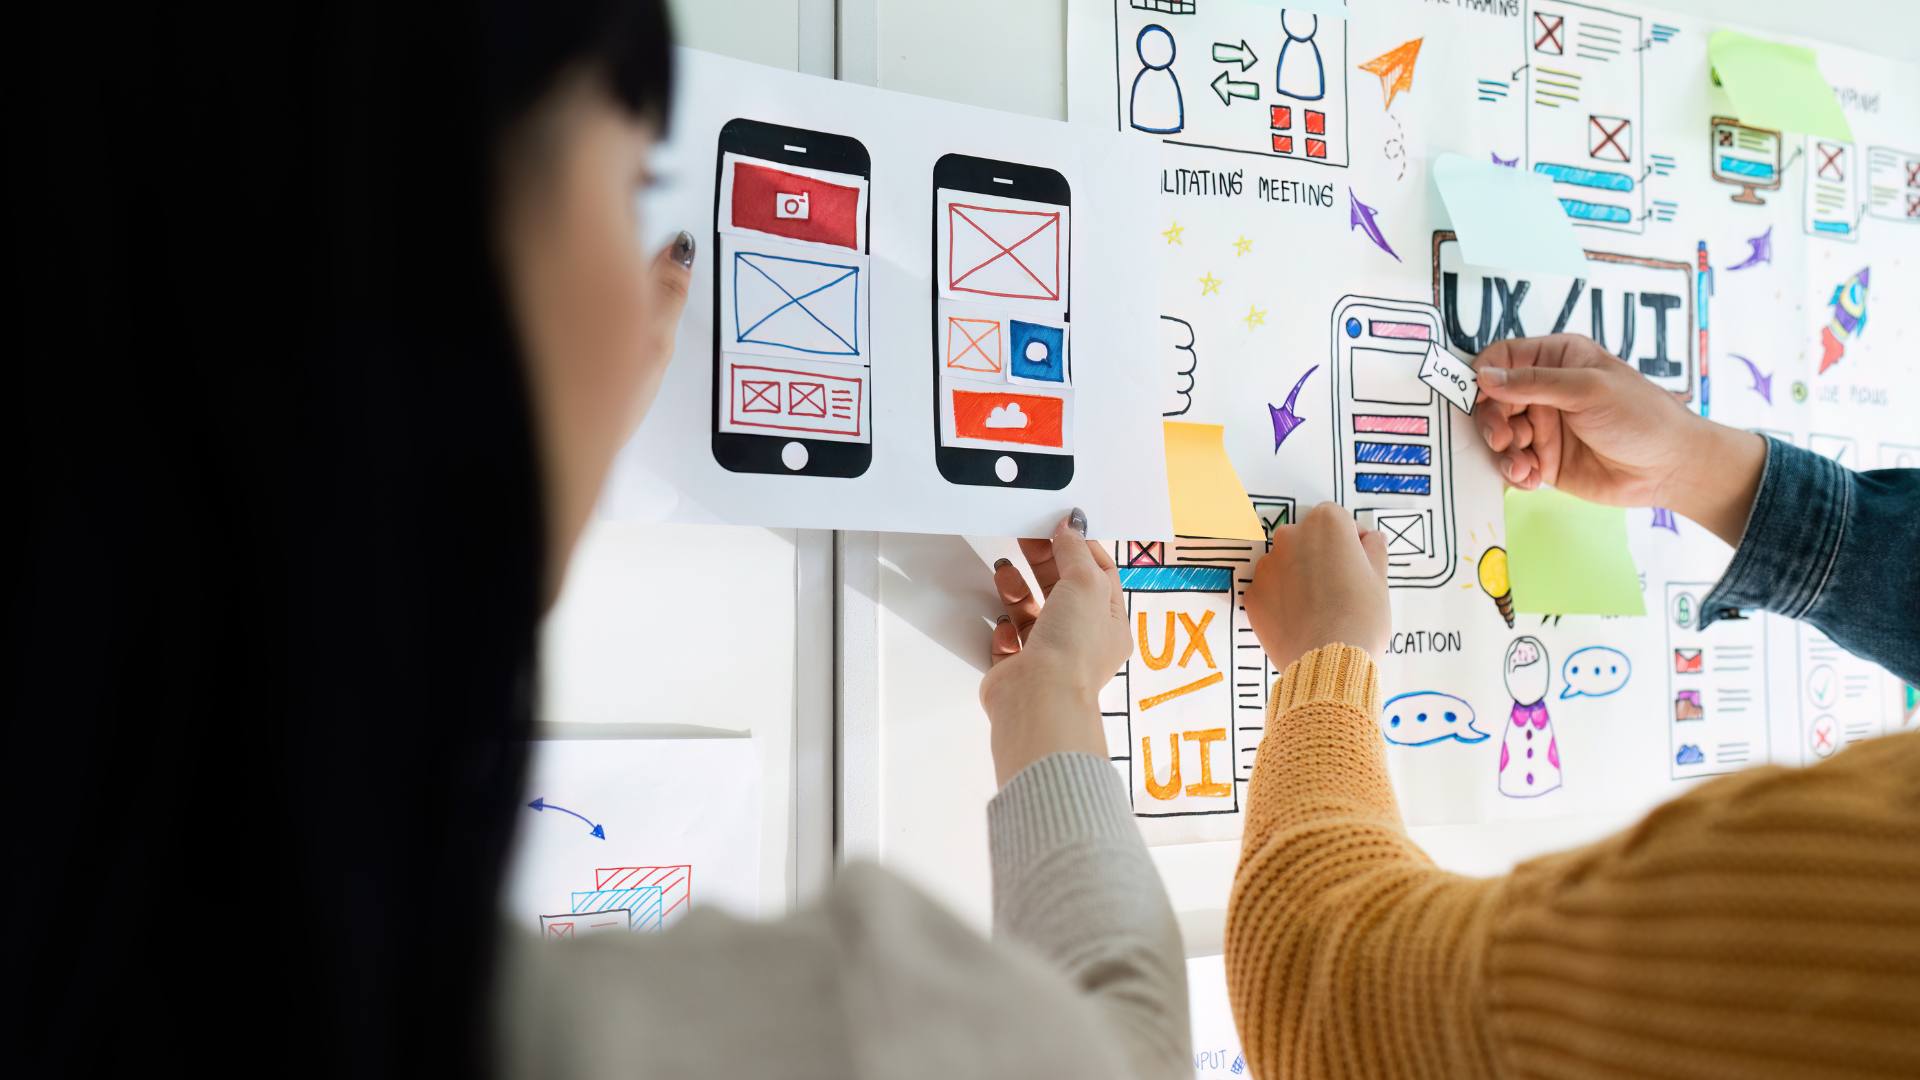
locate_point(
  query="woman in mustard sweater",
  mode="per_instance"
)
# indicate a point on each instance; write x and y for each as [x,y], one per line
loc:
[1766,923]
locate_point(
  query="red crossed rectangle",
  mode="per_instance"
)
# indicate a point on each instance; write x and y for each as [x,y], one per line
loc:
[1547,31]
[1830,168]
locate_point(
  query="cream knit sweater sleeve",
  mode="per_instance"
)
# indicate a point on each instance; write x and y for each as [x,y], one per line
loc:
[1763,924]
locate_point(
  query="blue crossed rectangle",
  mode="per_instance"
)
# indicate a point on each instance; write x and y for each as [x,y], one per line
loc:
[829,325]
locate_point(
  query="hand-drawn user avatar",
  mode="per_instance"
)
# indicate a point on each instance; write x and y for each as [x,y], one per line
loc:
[1529,754]
[1300,72]
[1156,105]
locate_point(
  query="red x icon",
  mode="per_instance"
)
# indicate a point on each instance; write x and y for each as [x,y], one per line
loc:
[1913,173]
[760,396]
[1913,206]
[1822,741]
[1609,138]
[806,399]
[1830,168]
[1146,553]
[1547,30]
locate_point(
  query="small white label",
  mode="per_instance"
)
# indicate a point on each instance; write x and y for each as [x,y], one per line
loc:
[1450,376]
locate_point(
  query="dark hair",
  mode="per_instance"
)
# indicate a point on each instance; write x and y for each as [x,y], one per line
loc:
[275,627]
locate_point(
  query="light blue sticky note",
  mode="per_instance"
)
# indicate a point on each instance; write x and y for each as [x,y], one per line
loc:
[1507,219]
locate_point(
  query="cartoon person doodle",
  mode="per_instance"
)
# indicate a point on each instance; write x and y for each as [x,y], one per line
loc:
[1300,72]
[1529,754]
[1155,104]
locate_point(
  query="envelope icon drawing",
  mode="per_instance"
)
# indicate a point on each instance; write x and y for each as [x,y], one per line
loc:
[808,306]
[1609,138]
[1686,661]
[559,930]
[1406,534]
[806,399]
[973,344]
[993,251]
[760,396]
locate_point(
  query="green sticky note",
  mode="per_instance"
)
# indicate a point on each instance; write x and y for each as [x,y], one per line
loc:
[1567,556]
[1776,86]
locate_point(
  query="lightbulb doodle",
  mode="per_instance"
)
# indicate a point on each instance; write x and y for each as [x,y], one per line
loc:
[1495,582]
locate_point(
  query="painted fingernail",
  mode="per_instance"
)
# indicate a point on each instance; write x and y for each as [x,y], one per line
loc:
[1494,376]
[1077,521]
[682,252]
[998,563]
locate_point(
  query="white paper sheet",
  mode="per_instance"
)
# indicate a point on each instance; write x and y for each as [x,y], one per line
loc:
[1108,410]
[632,834]
[1749,310]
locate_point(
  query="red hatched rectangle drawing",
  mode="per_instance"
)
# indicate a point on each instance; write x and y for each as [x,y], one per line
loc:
[1283,144]
[1375,424]
[1316,122]
[1316,148]
[674,880]
[1281,117]
[790,400]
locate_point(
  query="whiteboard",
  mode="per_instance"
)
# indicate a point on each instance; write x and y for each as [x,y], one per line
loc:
[915,772]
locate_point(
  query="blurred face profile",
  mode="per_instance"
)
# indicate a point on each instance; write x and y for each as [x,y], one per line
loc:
[569,234]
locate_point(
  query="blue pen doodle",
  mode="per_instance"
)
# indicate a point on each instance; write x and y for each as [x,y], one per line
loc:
[1425,717]
[1594,671]
[1759,250]
[1156,105]
[598,833]
[1284,418]
[1762,381]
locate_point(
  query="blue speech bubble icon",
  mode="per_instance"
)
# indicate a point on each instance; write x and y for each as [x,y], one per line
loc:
[1594,671]
[1424,717]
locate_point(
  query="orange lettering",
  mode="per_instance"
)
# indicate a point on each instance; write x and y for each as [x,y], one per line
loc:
[1197,638]
[1206,787]
[1146,652]
[1156,789]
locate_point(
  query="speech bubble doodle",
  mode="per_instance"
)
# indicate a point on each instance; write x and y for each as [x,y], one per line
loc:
[1424,717]
[1594,671]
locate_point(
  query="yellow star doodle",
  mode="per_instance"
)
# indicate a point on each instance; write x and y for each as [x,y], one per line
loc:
[1173,233]
[1209,284]
[1242,246]
[1255,317]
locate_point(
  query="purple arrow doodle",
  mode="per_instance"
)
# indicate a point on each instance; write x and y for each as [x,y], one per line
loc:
[1284,418]
[1361,217]
[1663,519]
[1762,383]
[1759,250]
[1504,162]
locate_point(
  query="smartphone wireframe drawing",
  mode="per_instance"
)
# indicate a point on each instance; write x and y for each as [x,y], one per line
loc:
[1003,397]
[792,348]
[1392,450]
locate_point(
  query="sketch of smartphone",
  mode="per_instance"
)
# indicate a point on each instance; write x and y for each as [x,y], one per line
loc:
[1003,399]
[792,341]
[1392,452]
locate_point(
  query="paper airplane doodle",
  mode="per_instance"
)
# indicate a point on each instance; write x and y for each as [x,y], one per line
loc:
[1762,381]
[1849,305]
[1284,418]
[1759,250]
[1395,68]
[1360,216]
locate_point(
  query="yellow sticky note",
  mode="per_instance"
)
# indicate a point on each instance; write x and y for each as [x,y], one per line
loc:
[1207,496]
[1567,556]
[1776,86]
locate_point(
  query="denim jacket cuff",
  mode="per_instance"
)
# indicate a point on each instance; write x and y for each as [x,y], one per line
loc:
[1792,537]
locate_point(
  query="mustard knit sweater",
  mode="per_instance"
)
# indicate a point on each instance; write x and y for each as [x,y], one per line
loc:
[1761,924]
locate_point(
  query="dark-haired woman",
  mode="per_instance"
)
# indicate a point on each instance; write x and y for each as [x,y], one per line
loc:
[335,320]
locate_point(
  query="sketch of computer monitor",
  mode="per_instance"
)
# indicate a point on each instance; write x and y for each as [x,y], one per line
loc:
[1392,448]
[1746,157]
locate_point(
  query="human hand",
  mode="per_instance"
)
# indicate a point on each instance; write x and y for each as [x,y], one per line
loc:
[1053,652]
[1323,582]
[1566,412]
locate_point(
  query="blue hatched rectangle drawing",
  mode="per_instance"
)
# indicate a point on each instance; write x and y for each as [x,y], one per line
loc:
[1176,578]
[1386,453]
[646,902]
[809,306]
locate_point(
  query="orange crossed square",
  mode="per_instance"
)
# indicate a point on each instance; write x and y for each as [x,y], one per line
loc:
[973,344]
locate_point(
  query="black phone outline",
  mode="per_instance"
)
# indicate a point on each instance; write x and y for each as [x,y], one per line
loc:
[1033,183]
[827,152]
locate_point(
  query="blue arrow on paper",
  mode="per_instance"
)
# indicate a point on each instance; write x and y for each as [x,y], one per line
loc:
[598,833]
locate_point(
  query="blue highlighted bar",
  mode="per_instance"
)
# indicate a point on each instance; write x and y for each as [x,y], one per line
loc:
[1373,483]
[1759,170]
[1177,578]
[1587,211]
[1390,453]
[1841,227]
[1604,179]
